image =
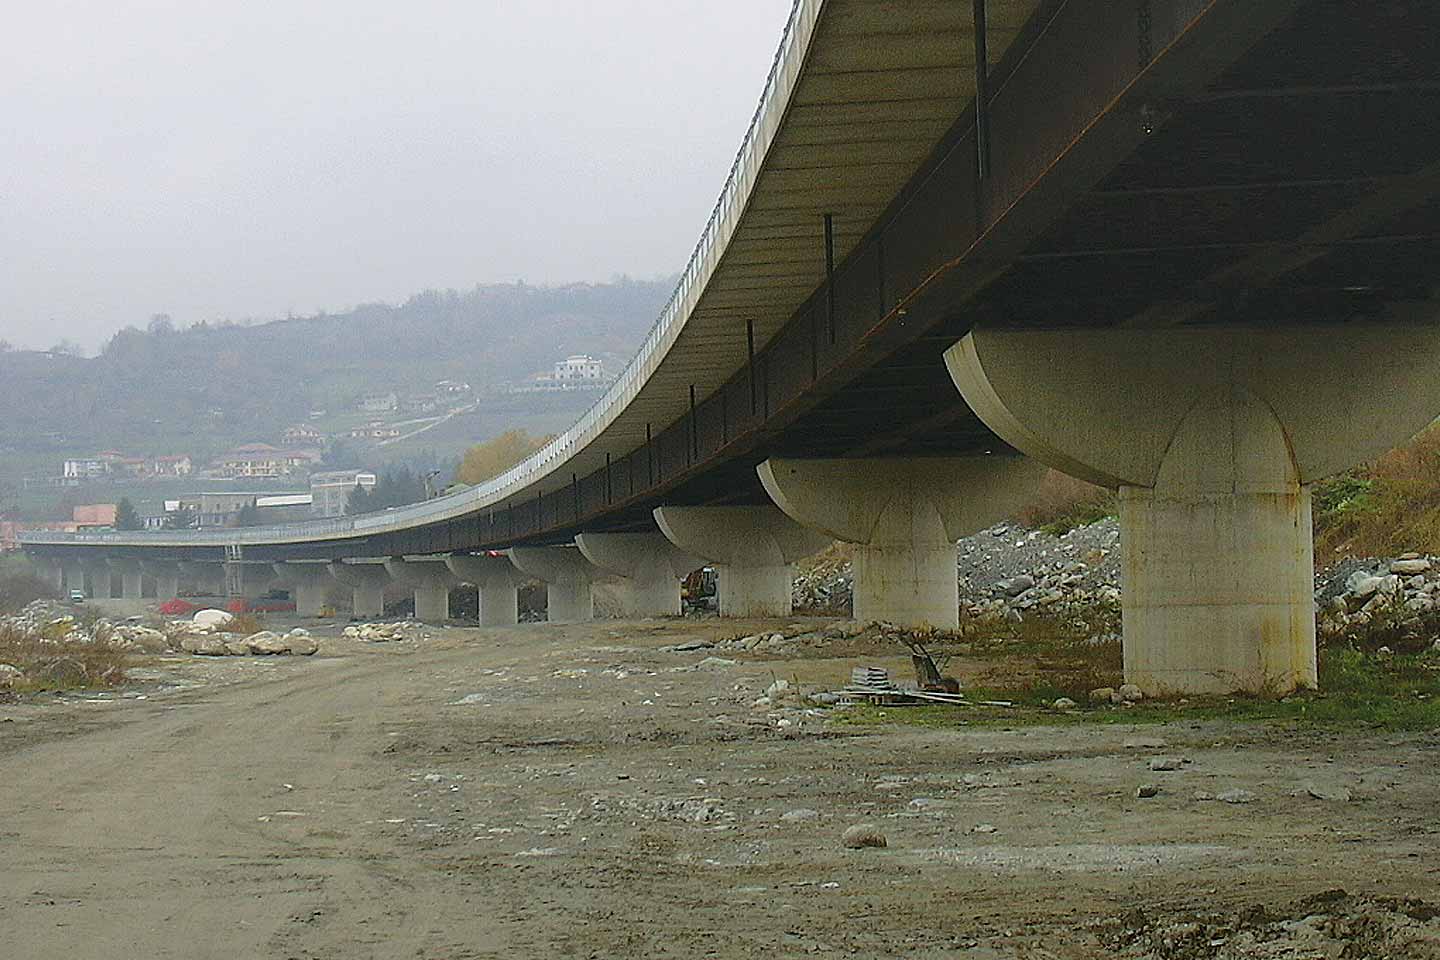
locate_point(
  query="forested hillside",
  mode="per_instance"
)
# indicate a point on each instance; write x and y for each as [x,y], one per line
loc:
[210,385]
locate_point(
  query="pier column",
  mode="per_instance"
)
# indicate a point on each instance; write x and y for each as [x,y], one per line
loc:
[431,580]
[1212,437]
[309,584]
[904,516]
[75,576]
[367,582]
[167,578]
[568,579]
[51,571]
[247,581]
[204,578]
[651,567]
[498,582]
[101,584]
[754,550]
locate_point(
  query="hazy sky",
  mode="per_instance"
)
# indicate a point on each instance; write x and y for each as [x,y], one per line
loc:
[218,159]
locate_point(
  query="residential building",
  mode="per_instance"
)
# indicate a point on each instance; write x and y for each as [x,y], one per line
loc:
[375,430]
[177,465]
[379,403]
[94,515]
[578,368]
[212,510]
[263,460]
[330,491]
[301,435]
[86,468]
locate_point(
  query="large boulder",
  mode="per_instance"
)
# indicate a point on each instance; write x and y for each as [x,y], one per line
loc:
[267,643]
[150,641]
[300,643]
[211,619]
[211,647]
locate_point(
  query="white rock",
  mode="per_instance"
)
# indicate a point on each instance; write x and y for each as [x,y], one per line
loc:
[10,675]
[800,814]
[1064,703]
[237,648]
[210,619]
[1130,693]
[1236,796]
[778,690]
[1410,566]
[1166,763]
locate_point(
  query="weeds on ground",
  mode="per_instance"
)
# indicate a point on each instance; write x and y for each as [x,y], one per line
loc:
[245,624]
[46,664]
[1384,508]
[20,584]
[1043,658]
[1062,503]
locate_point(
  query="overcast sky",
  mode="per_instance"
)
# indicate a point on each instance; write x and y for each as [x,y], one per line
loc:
[217,160]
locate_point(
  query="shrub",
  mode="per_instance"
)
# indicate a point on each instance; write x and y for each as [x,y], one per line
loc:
[50,665]
[1062,503]
[20,584]
[1383,508]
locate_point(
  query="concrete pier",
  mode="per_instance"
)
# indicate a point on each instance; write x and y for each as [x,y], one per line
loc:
[431,581]
[651,568]
[904,516]
[568,579]
[754,550]
[309,583]
[166,574]
[1212,437]
[367,582]
[498,583]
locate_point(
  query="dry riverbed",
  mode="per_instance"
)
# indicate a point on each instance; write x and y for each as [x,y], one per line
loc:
[584,791]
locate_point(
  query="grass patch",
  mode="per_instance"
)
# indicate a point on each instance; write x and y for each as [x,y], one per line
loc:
[1062,503]
[1383,508]
[48,663]
[1357,690]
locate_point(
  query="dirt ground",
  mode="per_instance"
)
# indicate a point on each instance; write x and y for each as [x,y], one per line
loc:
[580,792]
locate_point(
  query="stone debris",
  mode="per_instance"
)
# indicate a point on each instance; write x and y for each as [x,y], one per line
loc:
[1146,791]
[1005,570]
[1325,925]
[404,631]
[862,835]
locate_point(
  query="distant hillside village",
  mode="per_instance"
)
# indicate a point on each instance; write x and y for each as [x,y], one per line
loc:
[294,457]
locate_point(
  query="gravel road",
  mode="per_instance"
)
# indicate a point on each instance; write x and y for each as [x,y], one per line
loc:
[579,792]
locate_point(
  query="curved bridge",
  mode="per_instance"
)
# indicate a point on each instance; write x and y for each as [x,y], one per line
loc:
[1167,245]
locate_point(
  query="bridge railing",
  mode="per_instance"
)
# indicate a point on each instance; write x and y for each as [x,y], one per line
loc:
[719,228]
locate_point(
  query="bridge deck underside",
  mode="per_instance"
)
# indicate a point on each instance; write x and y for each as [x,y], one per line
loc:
[1278,176]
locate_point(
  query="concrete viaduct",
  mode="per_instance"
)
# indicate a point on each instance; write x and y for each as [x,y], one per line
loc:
[1186,249]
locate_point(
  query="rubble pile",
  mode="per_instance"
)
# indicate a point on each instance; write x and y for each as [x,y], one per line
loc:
[408,631]
[1392,602]
[826,584]
[1002,571]
[49,622]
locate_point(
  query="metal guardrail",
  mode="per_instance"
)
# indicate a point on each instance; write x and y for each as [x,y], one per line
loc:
[724,218]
